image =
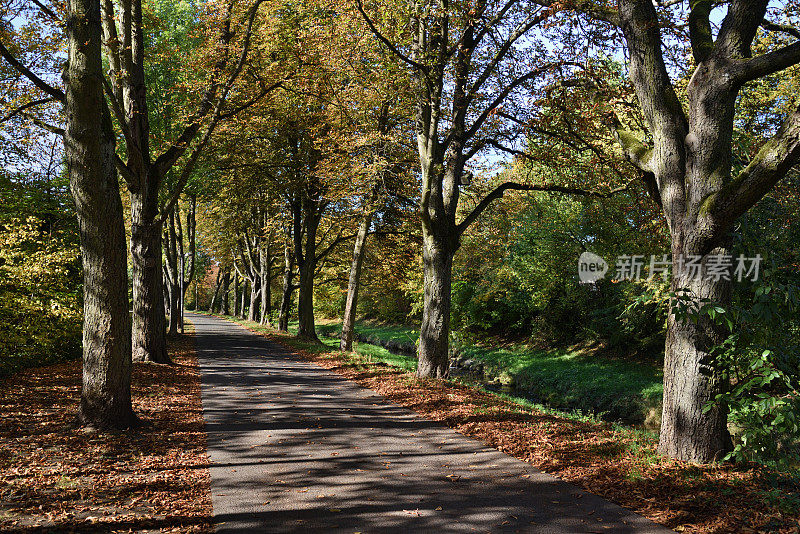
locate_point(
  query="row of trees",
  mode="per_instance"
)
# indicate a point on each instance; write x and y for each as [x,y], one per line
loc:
[101,106]
[306,127]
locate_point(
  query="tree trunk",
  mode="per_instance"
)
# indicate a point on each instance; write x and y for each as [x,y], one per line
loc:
[286,295]
[691,377]
[435,331]
[306,329]
[149,322]
[214,296]
[89,145]
[255,293]
[174,309]
[235,292]
[266,283]
[305,242]
[243,301]
[171,274]
[349,318]
[226,285]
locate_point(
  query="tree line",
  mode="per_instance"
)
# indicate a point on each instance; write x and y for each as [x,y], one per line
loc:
[287,132]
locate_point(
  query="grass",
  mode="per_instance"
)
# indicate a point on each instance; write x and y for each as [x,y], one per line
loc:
[371,353]
[575,381]
[616,462]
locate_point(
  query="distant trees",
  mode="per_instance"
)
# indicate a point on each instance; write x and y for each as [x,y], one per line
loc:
[145,172]
[293,124]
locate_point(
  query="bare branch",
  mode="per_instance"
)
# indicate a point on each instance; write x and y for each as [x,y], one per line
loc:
[590,8]
[54,92]
[392,48]
[770,165]
[782,28]
[47,11]
[767,64]
[500,190]
[27,106]
[49,127]
[130,179]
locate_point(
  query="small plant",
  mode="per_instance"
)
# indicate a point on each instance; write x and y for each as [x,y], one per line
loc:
[760,367]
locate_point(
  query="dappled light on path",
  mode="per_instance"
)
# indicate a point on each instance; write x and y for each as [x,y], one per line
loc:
[297,448]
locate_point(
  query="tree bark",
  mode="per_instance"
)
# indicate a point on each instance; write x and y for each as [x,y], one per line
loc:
[266,281]
[435,330]
[149,321]
[692,378]
[217,284]
[89,144]
[306,328]
[171,268]
[235,292]
[305,244]
[351,304]
[243,302]
[226,285]
[255,295]
[288,288]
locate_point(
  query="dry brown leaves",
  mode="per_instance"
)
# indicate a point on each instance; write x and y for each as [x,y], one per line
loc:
[613,464]
[56,478]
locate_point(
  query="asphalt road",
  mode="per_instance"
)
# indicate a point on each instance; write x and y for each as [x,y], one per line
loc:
[296,448]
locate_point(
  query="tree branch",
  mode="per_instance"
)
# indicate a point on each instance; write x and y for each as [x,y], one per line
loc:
[634,150]
[770,165]
[54,92]
[767,64]
[47,11]
[739,27]
[590,8]
[782,28]
[27,106]
[499,191]
[700,36]
[181,144]
[392,48]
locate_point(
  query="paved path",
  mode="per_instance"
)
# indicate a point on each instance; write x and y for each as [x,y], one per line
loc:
[296,448]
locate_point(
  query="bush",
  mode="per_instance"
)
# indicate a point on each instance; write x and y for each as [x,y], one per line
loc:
[40,277]
[760,361]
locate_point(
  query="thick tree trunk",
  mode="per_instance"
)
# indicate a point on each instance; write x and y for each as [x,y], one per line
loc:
[149,322]
[435,331]
[226,285]
[255,295]
[217,285]
[349,318]
[89,144]
[266,283]
[306,328]
[286,294]
[242,314]
[305,245]
[690,431]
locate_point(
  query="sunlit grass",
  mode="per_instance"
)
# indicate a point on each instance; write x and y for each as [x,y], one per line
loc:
[571,381]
